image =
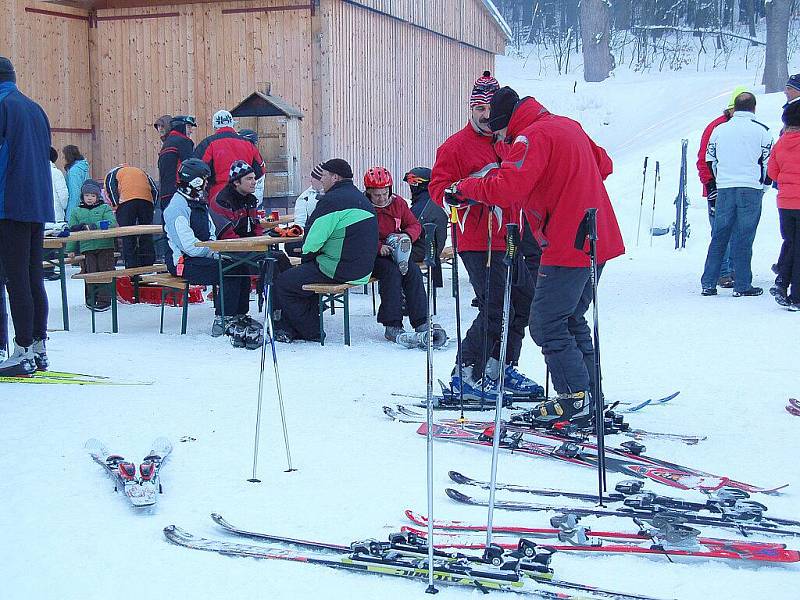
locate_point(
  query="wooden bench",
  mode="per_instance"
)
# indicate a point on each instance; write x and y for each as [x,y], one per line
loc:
[108,279]
[167,280]
[70,260]
[332,295]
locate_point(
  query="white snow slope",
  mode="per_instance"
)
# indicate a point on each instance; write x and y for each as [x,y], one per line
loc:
[67,535]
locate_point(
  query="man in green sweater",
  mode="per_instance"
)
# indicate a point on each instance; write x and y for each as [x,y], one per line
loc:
[340,242]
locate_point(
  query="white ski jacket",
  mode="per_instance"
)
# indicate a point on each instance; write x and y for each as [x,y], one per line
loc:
[738,151]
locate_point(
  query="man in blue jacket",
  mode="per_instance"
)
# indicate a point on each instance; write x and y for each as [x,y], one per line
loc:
[26,204]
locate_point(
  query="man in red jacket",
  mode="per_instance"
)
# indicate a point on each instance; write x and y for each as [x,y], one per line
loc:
[710,184]
[553,172]
[471,152]
[398,229]
[221,150]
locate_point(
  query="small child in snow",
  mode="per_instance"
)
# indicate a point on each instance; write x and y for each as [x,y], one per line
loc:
[93,213]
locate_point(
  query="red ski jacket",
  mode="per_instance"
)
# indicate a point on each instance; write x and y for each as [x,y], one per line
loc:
[553,172]
[702,167]
[467,153]
[220,150]
[395,218]
[784,167]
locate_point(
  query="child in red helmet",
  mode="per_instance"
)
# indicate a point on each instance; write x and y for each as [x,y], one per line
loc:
[397,277]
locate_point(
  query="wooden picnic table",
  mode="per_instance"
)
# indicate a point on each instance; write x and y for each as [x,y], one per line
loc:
[282,220]
[246,247]
[59,244]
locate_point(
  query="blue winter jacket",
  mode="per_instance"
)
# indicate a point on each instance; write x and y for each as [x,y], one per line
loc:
[77,173]
[26,189]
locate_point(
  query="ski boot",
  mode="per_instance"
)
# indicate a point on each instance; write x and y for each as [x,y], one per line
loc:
[40,355]
[517,383]
[564,407]
[239,331]
[419,337]
[222,325]
[474,390]
[393,333]
[21,362]
[400,244]
[254,337]
[126,470]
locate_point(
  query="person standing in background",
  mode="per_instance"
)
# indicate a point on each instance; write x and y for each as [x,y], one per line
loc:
[77,171]
[60,191]
[132,193]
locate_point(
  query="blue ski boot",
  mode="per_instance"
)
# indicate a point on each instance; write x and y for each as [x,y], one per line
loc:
[517,383]
[474,390]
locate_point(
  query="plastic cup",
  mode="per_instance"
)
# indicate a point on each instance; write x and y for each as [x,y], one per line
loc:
[104,224]
[274,216]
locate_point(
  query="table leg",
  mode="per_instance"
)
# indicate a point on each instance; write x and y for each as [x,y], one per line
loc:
[185,315]
[63,277]
[163,299]
[221,290]
[114,327]
[346,317]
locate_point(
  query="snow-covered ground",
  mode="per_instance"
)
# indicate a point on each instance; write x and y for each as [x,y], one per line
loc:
[66,534]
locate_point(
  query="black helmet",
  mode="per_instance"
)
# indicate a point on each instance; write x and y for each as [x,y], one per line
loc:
[183,120]
[192,176]
[418,177]
[250,135]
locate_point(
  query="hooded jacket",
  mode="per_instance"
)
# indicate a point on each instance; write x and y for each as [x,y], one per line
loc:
[784,167]
[76,174]
[553,172]
[468,153]
[26,190]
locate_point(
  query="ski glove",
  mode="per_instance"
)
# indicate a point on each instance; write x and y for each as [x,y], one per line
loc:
[711,186]
[452,196]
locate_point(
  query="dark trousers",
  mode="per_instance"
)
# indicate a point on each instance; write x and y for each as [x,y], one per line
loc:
[789,263]
[521,295]
[21,258]
[137,251]
[205,271]
[392,286]
[299,309]
[559,327]
[95,261]
[160,243]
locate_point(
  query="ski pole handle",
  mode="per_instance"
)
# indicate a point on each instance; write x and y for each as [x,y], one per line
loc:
[453,215]
[645,165]
[591,224]
[268,270]
[512,243]
[430,244]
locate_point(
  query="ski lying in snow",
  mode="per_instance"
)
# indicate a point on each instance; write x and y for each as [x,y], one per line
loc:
[659,516]
[65,378]
[406,555]
[674,542]
[730,504]
[793,407]
[403,415]
[651,402]
[627,459]
[141,489]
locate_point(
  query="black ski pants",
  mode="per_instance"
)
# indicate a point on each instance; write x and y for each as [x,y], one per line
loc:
[472,346]
[558,326]
[392,286]
[138,250]
[205,271]
[299,314]
[21,256]
[789,263]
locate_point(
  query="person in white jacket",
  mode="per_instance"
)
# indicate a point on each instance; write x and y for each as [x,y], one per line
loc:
[60,191]
[737,155]
[307,201]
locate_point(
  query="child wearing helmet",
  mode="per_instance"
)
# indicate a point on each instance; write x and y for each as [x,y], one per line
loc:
[397,275]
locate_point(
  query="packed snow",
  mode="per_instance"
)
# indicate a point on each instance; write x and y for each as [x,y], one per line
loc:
[67,534]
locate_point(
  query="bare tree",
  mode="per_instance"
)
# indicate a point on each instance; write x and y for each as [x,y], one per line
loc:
[595,34]
[776,69]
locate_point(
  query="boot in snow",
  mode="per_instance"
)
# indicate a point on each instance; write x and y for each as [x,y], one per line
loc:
[518,383]
[564,407]
[21,362]
[40,355]
[473,389]
[393,333]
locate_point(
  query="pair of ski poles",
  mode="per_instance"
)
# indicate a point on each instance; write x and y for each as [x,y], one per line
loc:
[656,179]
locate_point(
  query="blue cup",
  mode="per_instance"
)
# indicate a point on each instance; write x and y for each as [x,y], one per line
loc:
[104,224]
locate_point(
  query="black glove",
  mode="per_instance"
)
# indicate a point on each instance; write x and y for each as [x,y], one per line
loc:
[452,197]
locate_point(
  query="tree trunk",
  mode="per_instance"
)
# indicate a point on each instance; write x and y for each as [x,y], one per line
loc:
[596,34]
[623,15]
[776,69]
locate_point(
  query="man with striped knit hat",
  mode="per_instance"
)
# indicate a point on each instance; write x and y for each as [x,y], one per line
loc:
[471,152]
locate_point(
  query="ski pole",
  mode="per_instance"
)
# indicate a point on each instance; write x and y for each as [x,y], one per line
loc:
[656,179]
[269,269]
[430,261]
[4,316]
[454,229]
[485,307]
[512,244]
[547,382]
[641,200]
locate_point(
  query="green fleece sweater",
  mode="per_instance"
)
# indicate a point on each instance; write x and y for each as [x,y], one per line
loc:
[90,217]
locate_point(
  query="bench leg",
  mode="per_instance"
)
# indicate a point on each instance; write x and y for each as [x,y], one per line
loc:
[434,297]
[93,302]
[113,291]
[346,317]
[163,298]
[321,319]
[185,315]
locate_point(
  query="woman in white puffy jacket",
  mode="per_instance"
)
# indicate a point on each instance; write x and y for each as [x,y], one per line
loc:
[60,191]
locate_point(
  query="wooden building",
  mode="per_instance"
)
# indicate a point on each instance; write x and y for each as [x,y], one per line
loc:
[377,81]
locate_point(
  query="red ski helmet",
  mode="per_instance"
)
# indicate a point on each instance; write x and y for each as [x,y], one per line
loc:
[377,177]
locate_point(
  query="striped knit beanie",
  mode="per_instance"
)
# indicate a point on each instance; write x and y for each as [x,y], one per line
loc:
[316,172]
[483,89]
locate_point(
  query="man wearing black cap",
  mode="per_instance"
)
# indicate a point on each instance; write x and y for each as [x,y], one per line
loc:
[26,204]
[792,89]
[340,241]
[553,171]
